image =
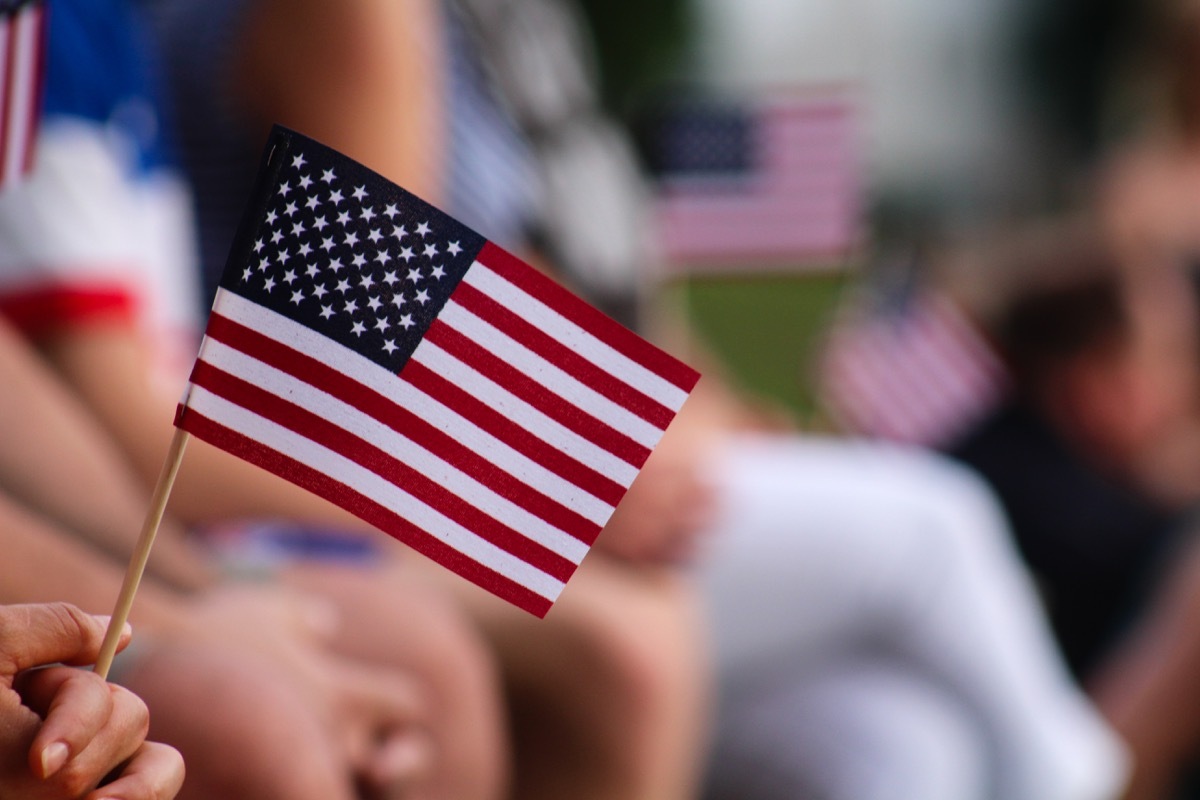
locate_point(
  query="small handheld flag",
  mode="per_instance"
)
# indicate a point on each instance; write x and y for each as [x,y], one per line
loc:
[375,351]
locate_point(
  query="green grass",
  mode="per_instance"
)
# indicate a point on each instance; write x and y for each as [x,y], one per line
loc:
[765,329]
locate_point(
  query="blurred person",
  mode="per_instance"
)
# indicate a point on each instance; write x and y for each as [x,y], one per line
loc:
[1103,360]
[66,734]
[97,231]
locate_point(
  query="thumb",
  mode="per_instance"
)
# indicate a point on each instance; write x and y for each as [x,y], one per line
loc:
[48,633]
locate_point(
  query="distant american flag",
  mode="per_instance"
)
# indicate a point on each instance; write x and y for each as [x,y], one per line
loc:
[759,183]
[916,371]
[375,351]
[22,63]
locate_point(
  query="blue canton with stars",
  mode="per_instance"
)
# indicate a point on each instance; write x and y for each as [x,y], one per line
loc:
[340,249]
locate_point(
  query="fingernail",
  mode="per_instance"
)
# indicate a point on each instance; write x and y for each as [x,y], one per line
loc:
[106,620]
[54,757]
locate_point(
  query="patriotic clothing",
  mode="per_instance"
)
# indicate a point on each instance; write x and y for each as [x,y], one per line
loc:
[102,225]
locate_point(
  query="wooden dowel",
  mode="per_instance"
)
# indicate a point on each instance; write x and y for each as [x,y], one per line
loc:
[137,563]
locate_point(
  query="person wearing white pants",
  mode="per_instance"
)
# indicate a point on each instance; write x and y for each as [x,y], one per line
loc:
[877,636]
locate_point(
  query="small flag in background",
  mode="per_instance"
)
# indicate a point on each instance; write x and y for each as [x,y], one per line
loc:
[757,183]
[22,65]
[373,350]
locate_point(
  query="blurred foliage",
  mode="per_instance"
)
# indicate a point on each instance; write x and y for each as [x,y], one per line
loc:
[765,329]
[640,44]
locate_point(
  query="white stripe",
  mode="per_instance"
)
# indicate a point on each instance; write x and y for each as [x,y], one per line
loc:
[581,341]
[370,374]
[368,428]
[517,410]
[20,101]
[365,482]
[549,376]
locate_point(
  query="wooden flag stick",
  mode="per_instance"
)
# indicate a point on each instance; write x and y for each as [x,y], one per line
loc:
[137,563]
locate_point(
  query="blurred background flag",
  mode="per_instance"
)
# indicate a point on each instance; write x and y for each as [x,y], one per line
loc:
[22,59]
[377,352]
[757,182]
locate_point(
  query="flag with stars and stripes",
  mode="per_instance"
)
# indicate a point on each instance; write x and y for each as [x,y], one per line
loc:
[370,348]
[22,76]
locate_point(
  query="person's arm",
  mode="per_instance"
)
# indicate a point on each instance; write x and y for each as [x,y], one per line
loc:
[64,732]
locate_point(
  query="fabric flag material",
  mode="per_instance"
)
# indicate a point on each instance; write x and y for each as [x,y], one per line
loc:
[375,351]
[769,181]
[22,75]
[917,371]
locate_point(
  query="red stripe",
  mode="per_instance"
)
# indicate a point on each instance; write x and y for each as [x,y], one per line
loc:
[563,357]
[512,434]
[532,392]
[38,311]
[400,419]
[361,506]
[592,320]
[367,455]
[10,33]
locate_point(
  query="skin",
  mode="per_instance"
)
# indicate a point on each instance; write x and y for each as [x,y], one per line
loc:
[62,730]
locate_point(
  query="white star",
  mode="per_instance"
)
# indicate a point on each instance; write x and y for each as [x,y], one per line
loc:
[454,249]
[407,321]
[398,300]
[375,235]
[335,196]
[351,306]
[258,246]
[297,296]
[283,190]
[374,304]
[343,286]
[400,232]
[298,229]
[269,284]
[389,277]
[328,175]
[389,346]
[438,272]
[305,249]
[298,161]
[351,238]
[383,256]
[414,275]
[290,209]
[276,236]
[271,217]
[343,217]
[327,244]
[289,277]
[312,202]
[320,291]
[391,211]
[358,328]
[263,263]
[366,281]
[246,275]
[422,297]
[423,229]
[359,259]
[283,256]
[312,270]
[431,250]
[305,181]
[406,253]
[319,223]
[360,192]
[367,212]
[381,324]
[326,311]
[335,264]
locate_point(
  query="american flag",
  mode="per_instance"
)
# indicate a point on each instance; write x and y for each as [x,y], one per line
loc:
[914,370]
[770,181]
[377,352]
[22,63]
